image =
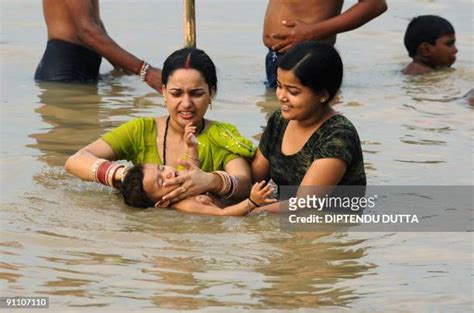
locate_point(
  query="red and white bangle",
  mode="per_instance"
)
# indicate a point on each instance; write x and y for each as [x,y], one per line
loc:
[111,173]
[104,171]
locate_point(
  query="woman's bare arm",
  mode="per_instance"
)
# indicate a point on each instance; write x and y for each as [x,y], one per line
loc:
[80,163]
[260,167]
[322,173]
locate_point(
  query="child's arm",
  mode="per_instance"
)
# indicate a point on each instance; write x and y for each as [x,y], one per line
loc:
[260,195]
[191,153]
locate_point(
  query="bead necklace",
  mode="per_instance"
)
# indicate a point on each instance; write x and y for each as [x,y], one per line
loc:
[201,128]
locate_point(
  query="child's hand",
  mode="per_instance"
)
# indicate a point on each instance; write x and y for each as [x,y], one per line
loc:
[260,194]
[190,135]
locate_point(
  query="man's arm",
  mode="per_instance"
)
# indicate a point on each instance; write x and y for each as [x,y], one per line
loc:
[356,16]
[94,36]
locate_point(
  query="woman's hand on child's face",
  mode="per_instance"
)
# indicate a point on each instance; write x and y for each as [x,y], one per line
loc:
[261,193]
[191,182]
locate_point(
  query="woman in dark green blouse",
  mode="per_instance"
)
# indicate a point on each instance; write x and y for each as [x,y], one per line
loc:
[306,142]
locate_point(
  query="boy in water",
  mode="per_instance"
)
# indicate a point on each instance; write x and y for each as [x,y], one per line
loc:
[430,41]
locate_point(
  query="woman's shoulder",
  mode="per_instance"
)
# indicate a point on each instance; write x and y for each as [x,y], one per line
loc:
[339,122]
[141,122]
[219,125]
[338,130]
[226,135]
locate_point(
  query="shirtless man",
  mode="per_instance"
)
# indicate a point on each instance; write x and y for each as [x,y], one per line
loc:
[77,41]
[288,22]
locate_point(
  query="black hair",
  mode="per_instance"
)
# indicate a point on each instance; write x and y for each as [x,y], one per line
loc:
[425,28]
[194,59]
[317,65]
[132,189]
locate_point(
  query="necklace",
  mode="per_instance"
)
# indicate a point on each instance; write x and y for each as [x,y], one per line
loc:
[201,128]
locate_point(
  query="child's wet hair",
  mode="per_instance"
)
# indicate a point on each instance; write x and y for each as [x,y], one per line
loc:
[191,58]
[425,28]
[317,66]
[132,189]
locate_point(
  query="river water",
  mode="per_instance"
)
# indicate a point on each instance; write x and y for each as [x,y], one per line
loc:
[76,243]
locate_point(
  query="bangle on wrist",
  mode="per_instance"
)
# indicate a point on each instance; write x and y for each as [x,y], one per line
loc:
[94,169]
[124,173]
[137,72]
[229,184]
[144,70]
[248,206]
[254,203]
[104,171]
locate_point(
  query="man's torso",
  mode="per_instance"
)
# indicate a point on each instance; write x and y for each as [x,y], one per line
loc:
[60,22]
[307,11]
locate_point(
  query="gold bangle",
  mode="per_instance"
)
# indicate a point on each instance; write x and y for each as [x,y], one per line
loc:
[94,168]
[226,182]
[235,185]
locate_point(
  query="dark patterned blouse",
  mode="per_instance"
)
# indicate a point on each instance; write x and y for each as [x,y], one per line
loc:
[335,138]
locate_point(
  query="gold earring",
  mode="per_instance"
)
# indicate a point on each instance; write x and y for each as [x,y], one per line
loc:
[322,100]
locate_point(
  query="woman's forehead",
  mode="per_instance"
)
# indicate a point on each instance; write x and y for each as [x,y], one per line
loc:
[186,77]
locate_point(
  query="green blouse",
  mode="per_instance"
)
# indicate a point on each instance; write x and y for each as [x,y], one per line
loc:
[220,143]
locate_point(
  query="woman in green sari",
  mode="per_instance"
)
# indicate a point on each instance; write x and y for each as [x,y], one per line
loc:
[189,85]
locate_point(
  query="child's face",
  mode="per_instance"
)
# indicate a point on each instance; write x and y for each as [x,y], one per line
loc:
[153,178]
[443,52]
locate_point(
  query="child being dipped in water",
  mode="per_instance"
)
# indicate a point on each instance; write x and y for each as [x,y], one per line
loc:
[144,186]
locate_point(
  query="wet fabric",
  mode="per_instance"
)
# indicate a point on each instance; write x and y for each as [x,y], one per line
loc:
[68,62]
[218,144]
[335,138]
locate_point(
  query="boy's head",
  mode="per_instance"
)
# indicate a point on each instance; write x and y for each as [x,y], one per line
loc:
[431,39]
[143,187]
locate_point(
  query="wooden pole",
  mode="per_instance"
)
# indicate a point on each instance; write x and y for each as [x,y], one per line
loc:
[189,24]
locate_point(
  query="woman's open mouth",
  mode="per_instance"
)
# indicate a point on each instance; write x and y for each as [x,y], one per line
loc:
[187,115]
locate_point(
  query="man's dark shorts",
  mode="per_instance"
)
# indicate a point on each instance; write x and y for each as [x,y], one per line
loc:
[271,62]
[68,62]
